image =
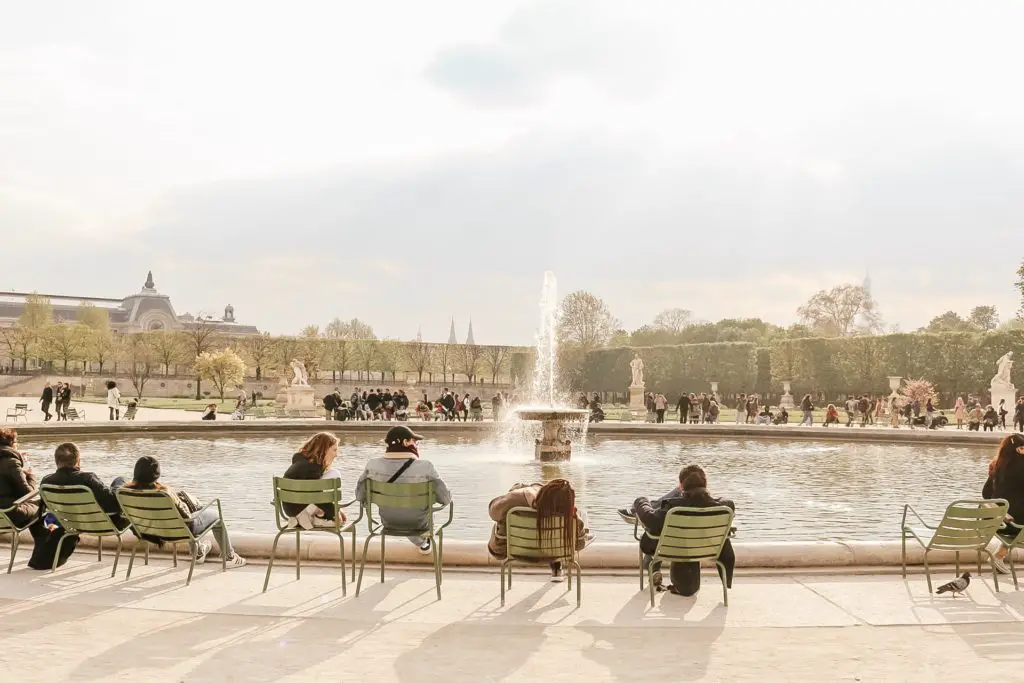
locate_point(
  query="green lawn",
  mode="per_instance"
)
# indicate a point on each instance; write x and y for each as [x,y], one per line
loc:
[225,406]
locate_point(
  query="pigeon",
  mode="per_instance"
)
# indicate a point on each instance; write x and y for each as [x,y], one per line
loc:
[956,586]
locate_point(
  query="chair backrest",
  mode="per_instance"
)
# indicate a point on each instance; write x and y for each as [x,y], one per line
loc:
[130,411]
[72,414]
[21,406]
[305,492]
[969,524]
[76,509]
[525,540]
[153,513]
[412,496]
[694,534]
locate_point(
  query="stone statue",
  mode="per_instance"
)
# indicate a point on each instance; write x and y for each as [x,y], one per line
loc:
[1003,367]
[300,378]
[637,366]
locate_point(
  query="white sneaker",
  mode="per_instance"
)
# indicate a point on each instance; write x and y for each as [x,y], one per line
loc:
[204,550]
[322,523]
[236,561]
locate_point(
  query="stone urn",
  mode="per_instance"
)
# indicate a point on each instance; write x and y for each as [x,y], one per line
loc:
[786,401]
[714,388]
[894,385]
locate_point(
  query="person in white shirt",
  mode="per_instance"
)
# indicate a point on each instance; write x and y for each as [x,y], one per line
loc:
[113,400]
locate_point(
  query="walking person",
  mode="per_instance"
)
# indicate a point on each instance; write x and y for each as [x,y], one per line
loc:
[808,409]
[113,400]
[683,406]
[1018,415]
[65,400]
[45,400]
[660,406]
[741,409]
[1002,414]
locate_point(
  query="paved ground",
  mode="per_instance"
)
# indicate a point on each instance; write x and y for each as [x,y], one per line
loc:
[97,411]
[80,625]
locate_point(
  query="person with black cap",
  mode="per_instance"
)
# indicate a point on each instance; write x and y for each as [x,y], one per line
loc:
[147,477]
[401,463]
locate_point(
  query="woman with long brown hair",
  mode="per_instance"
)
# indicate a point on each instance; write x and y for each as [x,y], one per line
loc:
[555,503]
[314,460]
[1006,480]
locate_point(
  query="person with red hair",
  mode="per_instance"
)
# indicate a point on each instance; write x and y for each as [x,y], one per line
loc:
[1006,480]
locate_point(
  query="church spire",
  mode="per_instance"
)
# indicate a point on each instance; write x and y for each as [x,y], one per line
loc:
[469,337]
[452,339]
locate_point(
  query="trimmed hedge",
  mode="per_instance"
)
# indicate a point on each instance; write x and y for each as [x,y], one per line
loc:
[671,369]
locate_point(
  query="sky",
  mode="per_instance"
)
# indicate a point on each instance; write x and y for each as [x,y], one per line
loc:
[408,162]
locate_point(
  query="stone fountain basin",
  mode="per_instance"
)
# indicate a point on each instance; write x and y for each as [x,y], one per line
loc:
[552,414]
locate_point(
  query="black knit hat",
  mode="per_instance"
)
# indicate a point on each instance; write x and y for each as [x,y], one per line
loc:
[147,470]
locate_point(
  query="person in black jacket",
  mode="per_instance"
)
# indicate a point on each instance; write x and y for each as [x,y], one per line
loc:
[1006,480]
[17,481]
[313,461]
[694,493]
[332,402]
[45,400]
[69,472]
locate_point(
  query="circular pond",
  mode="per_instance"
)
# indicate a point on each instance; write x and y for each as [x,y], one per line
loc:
[784,490]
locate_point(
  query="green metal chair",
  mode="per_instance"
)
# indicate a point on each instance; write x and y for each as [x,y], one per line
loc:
[525,542]
[78,512]
[153,514]
[9,527]
[1011,544]
[316,492]
[416,496]
[967,526]
[691,535]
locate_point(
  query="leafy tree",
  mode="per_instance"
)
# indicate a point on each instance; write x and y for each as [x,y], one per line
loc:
[66,342]
[168,347]
[919,390]
[950,321]
[199,337]
[365,353]
[984,318]
[673,320]
[1020,286]
[99,343]
[92,317]
[34,321]
[338,355]
[349,329]
[224,368]
[842,311]
[259,350]
[312,350]
[138,359]
[387,358]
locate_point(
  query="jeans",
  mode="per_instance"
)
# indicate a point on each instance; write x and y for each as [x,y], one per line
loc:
[201,520]
[115,413]
[741,414]
[46,411]
[661,415]
[808,418]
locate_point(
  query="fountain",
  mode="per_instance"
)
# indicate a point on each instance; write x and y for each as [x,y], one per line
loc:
[554,444]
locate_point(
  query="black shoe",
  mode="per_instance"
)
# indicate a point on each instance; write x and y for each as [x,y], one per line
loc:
[556,573]
[627,515]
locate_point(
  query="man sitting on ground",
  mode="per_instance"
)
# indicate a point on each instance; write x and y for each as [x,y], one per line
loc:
[69,472]
[694,493]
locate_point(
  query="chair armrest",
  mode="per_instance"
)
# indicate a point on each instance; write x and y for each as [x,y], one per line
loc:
[34,493]
[908,508]
[361,510]
[215,501]
[451,514]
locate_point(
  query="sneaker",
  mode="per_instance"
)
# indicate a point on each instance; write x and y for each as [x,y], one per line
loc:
[657,580]
[556,573]
[236,561]
[291,523]
[424,547]
[627,515]
[322,523]
[203,551]
[1000,566]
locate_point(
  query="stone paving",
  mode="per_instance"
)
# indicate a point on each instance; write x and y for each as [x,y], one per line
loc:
[97,412]
[81,625]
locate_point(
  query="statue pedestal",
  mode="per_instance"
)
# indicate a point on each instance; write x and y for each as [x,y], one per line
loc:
[1005,391]
[553,446]
[298,401]
[786,401]
[636,398]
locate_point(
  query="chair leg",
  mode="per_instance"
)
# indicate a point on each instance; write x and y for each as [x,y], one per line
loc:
[978,558]
[362,563]
[344,584]
[131,561]
[440,555]
[650,580]
[174,555]
[99,548]
[725,588]
[579,582]
[56,556]
[927,572]
[14,550]
[270,562]
[354,547]
[195,553]
[298,556]
[641,570]
[992,564]
[1013,570]
[956,560]
[382,539]
[117,557]
[904,553]
[147,553]
[437,567]
[502,575]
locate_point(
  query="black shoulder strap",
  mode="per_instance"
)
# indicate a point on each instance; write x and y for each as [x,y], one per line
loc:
[403,468]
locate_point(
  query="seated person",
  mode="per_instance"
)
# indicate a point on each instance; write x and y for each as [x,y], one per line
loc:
[17,481]
[782,417]
[831,415]
[765,417]
[990,419]
[476,409]
[1006,480]
[685,575]
[401,463]
[313,461]
[146,477]
[69,472]
[712,415]
[555,501]
[974,418]
[211,412]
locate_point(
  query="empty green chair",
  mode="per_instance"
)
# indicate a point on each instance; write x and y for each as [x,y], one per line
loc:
[527,543]
[967,526]
[416,496]
[691,535]
[315,492]
[153,515]
[8,527]
[78,512]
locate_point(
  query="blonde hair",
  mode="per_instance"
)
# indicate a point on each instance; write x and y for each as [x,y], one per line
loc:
[316,447]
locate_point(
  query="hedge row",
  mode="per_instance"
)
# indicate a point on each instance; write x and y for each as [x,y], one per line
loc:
[958,363]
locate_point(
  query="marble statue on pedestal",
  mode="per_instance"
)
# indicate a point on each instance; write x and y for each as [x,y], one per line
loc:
[637,366]
[1001,386]
[301,377]
[636,385]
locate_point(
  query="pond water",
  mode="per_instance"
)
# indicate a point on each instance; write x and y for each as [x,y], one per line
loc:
[783,490]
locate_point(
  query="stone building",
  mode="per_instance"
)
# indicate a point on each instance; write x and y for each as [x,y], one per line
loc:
[144,311]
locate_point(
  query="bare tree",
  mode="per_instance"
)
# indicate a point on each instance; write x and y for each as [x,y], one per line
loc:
[673,320]
[419,357]
[366,351]
[585,321]
[496,358]
[168,347]
[443,358]
[200,336]
[842,311]
[349,329]
[467,358]
[138,359]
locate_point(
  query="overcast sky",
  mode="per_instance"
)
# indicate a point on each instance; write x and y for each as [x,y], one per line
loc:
[406,162]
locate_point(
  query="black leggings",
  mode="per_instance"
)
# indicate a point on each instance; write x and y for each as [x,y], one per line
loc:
[685,576]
